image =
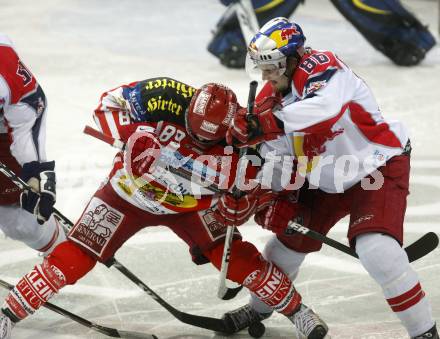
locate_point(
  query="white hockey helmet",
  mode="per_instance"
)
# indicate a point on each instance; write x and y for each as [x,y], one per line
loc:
[269,49]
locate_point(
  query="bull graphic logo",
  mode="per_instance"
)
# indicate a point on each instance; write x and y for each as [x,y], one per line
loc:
[313,145]
[287,33]
[93,220]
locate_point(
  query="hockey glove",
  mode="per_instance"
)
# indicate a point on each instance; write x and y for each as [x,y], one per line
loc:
[41,198]
[141,151]
[277,216]
[251,129]
[235,212]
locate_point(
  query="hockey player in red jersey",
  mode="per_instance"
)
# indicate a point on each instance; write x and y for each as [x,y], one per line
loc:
[350,161]
[162,120]
[22,149]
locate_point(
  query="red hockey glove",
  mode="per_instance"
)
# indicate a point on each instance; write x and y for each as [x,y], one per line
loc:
[235,212]
[141,151]
[277,216]
[251,129]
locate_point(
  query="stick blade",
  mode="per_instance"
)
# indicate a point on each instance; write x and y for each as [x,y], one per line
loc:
[136,335]
[426,244]
[230,293]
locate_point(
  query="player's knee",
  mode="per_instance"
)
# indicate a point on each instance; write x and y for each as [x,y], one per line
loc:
[381,256]
[71,260]
[244,259]
[19,225]
[285,258]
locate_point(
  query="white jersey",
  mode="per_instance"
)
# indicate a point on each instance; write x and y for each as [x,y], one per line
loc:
[334,127]
[22,107]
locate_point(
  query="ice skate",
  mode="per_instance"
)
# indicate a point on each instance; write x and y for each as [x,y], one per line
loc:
[430,334]
[242,317]
[6,326]
[309,323]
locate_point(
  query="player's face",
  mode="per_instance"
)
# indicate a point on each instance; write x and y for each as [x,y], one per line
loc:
[275,75]
[270,71]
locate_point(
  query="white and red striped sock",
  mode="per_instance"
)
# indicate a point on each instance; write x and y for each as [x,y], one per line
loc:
[387,263]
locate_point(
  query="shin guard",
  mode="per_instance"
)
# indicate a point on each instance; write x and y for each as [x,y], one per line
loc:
[273,287]
[33,290]
[64,266]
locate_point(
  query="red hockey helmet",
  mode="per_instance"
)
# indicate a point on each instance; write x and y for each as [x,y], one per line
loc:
[210,112]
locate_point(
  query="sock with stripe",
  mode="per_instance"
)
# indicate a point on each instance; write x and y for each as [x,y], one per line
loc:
[387,263]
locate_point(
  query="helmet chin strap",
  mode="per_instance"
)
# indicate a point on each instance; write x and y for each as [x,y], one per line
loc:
[291,64]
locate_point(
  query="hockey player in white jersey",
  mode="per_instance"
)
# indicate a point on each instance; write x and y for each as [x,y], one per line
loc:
[350,161]
[22,149]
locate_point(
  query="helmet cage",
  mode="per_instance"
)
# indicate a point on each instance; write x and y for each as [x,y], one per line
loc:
[272,45]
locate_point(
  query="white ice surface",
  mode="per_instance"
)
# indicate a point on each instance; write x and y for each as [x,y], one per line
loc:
[77,49]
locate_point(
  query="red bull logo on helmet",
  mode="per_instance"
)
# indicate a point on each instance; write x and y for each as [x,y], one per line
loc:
[287,33]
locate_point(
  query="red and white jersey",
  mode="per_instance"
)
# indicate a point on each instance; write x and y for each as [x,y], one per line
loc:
[331,119]
[164,193]
[22,107]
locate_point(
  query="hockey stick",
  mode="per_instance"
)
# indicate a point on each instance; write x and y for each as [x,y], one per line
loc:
[213,324]
[208,323]
[175,170]
[418,249]
[223,292]
[111,332]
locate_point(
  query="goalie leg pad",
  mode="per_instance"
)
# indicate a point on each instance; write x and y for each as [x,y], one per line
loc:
[388,264]
[228,43]
[266,10]
[390,28]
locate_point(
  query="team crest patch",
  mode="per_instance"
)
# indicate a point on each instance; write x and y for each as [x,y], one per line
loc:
[212,226]
[96,227]
[314,86]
